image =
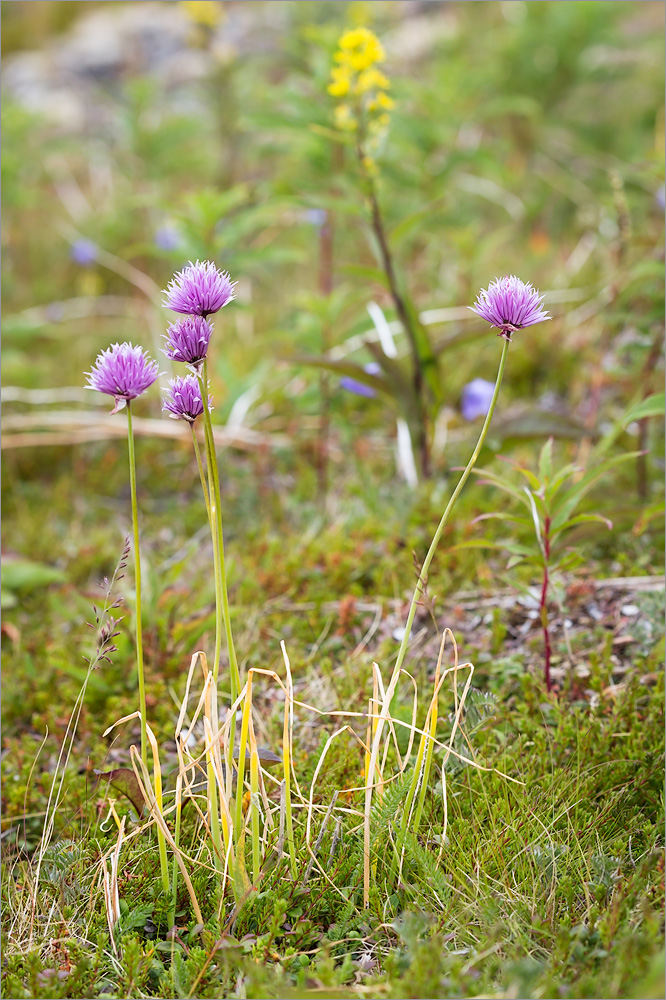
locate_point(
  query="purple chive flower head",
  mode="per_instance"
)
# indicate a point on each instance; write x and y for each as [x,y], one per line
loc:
[199,289]
[476,397]
[183,399]
[360,388]
[187,340]
[510,305]
[122,371]
[83,252]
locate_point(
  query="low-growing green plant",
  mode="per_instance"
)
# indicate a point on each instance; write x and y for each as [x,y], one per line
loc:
[552,497]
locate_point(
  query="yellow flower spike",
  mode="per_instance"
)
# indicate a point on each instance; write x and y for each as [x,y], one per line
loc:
[340,81]
[371,79]
[384,101]
[345,119]
[370,166]
[354,75]
[364,47]
[205,12]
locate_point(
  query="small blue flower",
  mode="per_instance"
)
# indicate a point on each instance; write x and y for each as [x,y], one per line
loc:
[476,397]
[359,388]
[167,238]
[316,216]
[83,252]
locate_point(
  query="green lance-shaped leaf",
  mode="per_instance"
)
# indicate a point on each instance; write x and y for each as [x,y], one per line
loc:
[569,500]
[653,406]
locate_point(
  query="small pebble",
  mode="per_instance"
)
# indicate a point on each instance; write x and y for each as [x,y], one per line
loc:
[630,610]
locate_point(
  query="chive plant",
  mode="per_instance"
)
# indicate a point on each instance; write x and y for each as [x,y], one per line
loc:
[124,371]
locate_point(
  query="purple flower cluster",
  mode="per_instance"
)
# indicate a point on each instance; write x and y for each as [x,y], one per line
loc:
[187,340]
[183,399]
[124,372]
[510,305]
[199,290]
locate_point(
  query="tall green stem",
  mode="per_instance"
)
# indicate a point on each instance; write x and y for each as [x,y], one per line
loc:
[423,575]
[223,618]
[210,771]
[137,586]
[202,477]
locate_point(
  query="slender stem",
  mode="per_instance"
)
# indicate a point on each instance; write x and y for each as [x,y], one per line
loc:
[137,587]
[219,611]
[202,475]
[325,289]
[543,605]
[420,586]
[222,599]
[174,875]
[404,315]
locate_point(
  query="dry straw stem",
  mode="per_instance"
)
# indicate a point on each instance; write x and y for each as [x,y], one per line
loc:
[287,757]
[382,729]
[70,427]
[158,806]
[110,886]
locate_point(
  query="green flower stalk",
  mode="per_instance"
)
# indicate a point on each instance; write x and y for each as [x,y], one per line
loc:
[199,290]
[510,305]
[125,372]
[137,586]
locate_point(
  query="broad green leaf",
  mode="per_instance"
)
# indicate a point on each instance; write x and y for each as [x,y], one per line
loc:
[500,517]
[535,520]
[560,476]
[539,424]
[581,519]
[26,575]
[349,369]
[414,220]
[492,479]
[334,134]
[652,406]
[573,497]
[369,273]
[124,780]
[546,462]
[8,599]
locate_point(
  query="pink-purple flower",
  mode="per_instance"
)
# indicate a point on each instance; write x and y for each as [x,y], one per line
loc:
[183,399]
[122,371]
[510,305]
[187,340]
[476,398]
[199,289]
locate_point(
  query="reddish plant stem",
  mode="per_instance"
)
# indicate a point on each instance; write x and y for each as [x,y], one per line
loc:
[543,606]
